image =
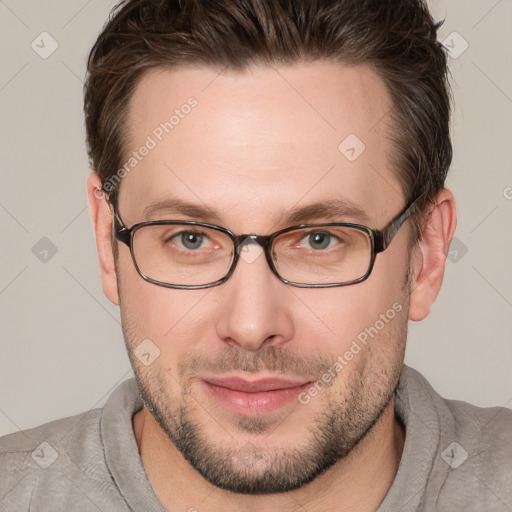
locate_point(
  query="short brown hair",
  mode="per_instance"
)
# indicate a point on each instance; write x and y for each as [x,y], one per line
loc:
[397,37]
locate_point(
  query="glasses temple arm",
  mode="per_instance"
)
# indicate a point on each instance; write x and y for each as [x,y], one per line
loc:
[383,238]
[121,232]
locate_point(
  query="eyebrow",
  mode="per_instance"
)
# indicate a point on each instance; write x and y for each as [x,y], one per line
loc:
[328,209]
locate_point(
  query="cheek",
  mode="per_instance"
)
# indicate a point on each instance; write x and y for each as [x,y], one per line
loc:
[344,312]
[369,314]
[168,317]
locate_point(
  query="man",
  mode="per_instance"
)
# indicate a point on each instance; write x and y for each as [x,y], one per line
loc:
[270,212]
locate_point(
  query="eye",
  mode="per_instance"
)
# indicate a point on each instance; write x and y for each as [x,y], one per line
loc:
[190,240]
[319,240]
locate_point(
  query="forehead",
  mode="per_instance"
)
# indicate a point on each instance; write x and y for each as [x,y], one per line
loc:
[256,139]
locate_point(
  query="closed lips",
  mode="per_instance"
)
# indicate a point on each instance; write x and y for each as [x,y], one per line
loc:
[257,386]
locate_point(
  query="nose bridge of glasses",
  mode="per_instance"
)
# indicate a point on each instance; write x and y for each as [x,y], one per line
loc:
[247,253]
[260,240]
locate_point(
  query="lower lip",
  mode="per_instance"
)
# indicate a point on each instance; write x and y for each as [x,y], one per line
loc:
[257,403]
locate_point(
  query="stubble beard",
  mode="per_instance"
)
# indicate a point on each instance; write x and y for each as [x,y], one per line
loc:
[257,467]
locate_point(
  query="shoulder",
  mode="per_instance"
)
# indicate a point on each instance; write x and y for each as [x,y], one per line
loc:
[472,452]
[477,452]
[51,461]
[487,432]
[490,427]
[24,440]
[494,423]
[39,442]
[42,445]
[62,465]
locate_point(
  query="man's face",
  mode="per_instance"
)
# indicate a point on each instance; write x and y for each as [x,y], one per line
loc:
[257,145]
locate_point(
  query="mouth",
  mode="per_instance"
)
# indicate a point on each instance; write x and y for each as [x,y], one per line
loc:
[253,398]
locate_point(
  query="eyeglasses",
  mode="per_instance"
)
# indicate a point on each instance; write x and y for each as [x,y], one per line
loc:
[193,255]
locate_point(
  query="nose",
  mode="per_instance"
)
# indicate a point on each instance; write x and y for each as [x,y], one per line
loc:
[254,304]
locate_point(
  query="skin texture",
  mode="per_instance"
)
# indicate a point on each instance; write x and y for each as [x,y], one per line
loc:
[258,144]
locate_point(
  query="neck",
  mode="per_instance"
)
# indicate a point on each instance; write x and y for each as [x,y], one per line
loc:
[360,481]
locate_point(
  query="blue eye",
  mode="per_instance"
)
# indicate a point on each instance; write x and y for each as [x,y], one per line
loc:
[319,240]
[190,240]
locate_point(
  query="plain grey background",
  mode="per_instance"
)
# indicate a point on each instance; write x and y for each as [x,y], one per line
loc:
[62,350]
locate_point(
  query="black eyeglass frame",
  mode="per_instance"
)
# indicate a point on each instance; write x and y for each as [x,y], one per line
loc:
[379,240]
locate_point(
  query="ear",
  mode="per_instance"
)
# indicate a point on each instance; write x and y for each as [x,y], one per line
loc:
[429,256]
[101,216]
